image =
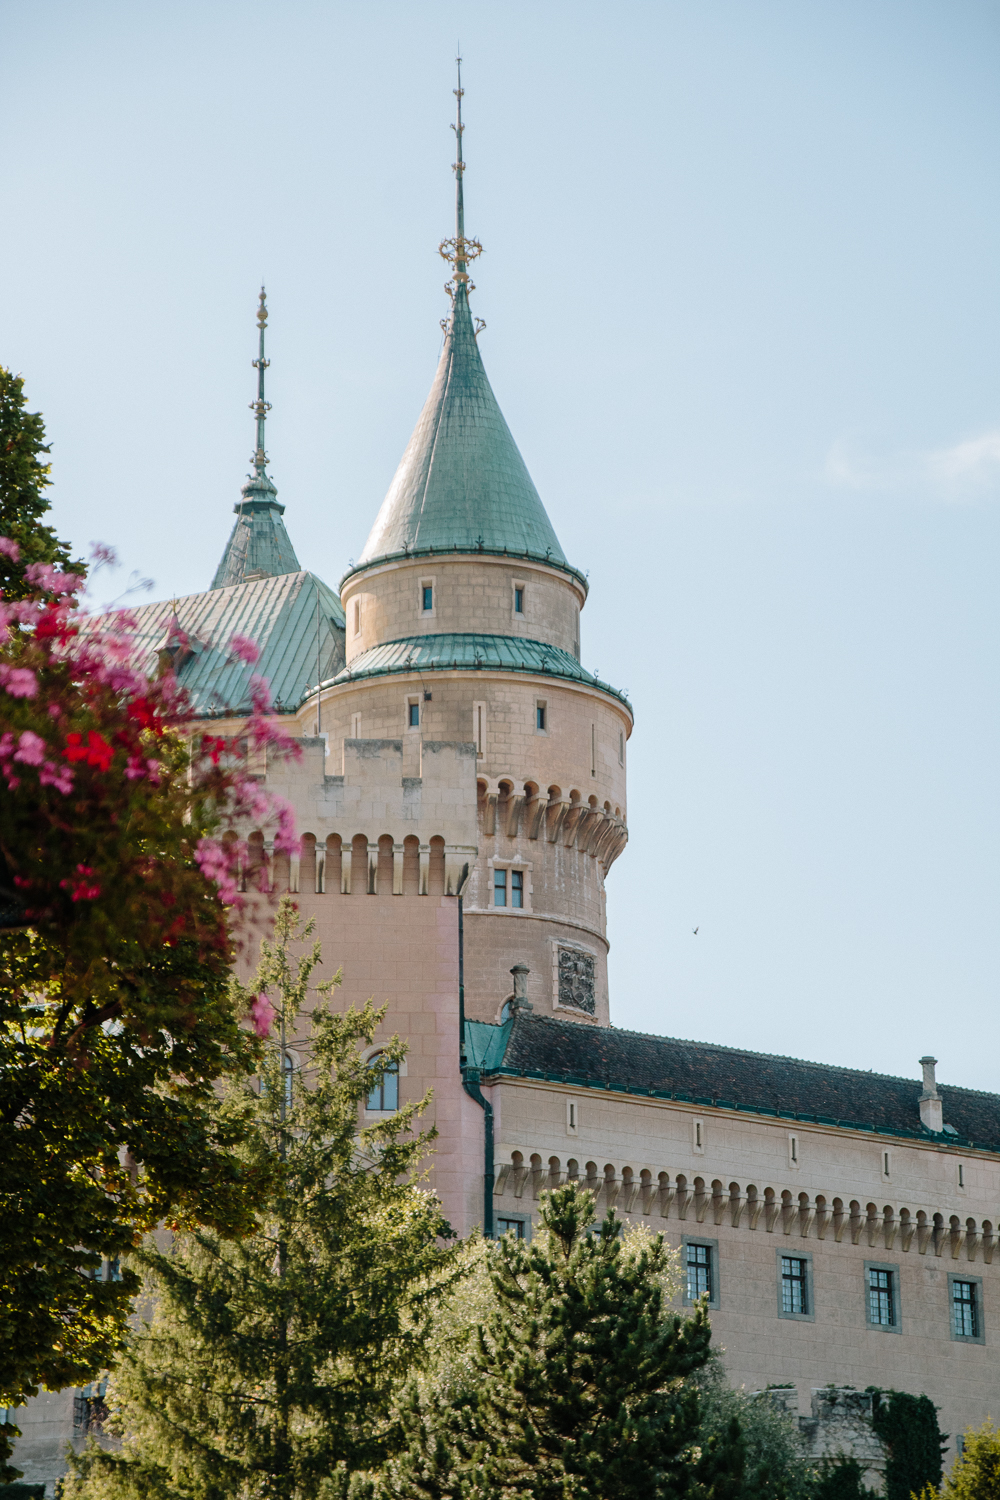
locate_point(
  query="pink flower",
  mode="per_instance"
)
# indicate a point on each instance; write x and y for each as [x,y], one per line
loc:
[245,649]
[81,888]
[61,777]
[9,548]
[6,746]
[101,555]
[262,1015]
[45,576]
[30,749]
[20,682]
[260,694]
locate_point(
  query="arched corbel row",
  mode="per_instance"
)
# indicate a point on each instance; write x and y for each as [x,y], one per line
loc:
[769,1210]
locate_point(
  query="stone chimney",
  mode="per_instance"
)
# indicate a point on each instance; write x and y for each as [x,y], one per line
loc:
[931,1108]
[519,999]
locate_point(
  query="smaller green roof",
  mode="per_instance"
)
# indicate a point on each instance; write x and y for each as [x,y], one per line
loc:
[295,620]
[258,546]
[452,650]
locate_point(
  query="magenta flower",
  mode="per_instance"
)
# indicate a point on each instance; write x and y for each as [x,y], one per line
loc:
[262,1015]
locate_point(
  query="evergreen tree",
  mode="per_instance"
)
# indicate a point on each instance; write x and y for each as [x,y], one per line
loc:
[23,477]
[270,1361]
[775,1467]
[577,1386]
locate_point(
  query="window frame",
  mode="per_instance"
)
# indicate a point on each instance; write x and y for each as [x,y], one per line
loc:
[504,867]
[523,1219]
[423,612]
[979,1337]
[896,1326]
[501,870]
[412,703]
[802,1255]
[518,586]
[713,1248]
[541,716]
[395,1070]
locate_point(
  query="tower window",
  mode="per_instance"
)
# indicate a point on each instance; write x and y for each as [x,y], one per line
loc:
[413,715]
[428,596]
[385,1094]
[540,718]
[499,887]
[519,601]
[355,726]
[621,747]
[517,887]
[357,617]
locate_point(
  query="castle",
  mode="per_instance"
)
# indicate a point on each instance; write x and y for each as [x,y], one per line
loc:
[461,799]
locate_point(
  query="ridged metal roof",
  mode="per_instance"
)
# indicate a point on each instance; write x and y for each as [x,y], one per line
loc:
[444,653]
[295,620]
[462,482]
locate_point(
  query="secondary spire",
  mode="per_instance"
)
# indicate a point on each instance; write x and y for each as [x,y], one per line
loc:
[259,546]
[260,407]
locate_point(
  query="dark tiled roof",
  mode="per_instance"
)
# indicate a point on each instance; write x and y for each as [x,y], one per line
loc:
[725,1076]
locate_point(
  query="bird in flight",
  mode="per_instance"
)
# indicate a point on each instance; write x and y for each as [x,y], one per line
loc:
[695,930]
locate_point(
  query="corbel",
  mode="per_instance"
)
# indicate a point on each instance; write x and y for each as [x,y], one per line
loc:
[719,1202]
[572,822]
[989,1240]
[515,802]
[923,1236]
[772,1208]
[701,1202]
[838,1219]
[822,1221]
[534,813]
[873,1223]
[889,1226]
[907,1229]
[666,1192]
[737,1203]
[501,1180]
[629,1195]
[555,813]
[956,1238]
[806,1216]
[857,1224]
[490,814]
[294,869]
[519,1173]
[683,1198]
[971,1243]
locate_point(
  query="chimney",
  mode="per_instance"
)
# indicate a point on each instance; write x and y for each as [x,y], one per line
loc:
[519,999]
[931,1108]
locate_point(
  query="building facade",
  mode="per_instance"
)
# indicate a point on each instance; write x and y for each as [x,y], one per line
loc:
[461,800]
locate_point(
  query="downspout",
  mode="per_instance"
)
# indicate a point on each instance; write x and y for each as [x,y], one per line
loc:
[470,1083]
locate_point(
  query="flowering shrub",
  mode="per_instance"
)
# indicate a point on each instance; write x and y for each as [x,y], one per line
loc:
[121,851]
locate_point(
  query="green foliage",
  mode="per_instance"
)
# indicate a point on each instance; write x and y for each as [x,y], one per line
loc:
[908,1427]
[576,1383]
[23,477]
[976,1474]
[841,1479]
[774,1467]
[270,1362]
[116,1014]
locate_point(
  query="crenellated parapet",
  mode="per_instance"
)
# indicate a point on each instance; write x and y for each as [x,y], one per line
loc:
[367,828]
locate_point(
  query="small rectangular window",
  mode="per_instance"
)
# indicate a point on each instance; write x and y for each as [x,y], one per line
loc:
[355,726]
[621,747]
[428,596]
[414,715]
[881,1299]
[540,716]
[517,887]
[511,1226]
[699,1272]
[357,617]
[519,601]
[964,1309]
[794,1285]
[961,1175]
[698,1137]
[571,1120]
[479,727]
[499,887]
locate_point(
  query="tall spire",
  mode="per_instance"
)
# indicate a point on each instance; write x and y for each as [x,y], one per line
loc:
[462,485]
[259,546]
[459,251]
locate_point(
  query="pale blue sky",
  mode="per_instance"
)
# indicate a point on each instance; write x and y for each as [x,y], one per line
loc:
[741,281]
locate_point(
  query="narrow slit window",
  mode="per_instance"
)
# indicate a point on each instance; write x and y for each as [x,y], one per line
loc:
[427,592]
[961,1175]
[519,601]
[621,747]
[794,1285]
[964,1310]
[540,716]
[414,715]
[517,887]
[593,749]
[357,617]
[499,887]
[355,726]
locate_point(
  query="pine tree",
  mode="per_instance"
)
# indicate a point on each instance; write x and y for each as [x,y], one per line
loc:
[23,477]
[271,1361]
[579,1384]
[976,1474]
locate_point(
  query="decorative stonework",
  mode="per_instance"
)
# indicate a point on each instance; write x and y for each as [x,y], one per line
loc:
[576,980]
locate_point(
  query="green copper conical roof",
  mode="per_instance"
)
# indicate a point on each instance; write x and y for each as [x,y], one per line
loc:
[259,545]
[462,482]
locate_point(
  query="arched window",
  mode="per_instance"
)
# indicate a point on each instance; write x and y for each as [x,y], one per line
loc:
[384,1095]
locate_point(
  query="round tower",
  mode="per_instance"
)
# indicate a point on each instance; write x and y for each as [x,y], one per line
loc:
[463,624]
